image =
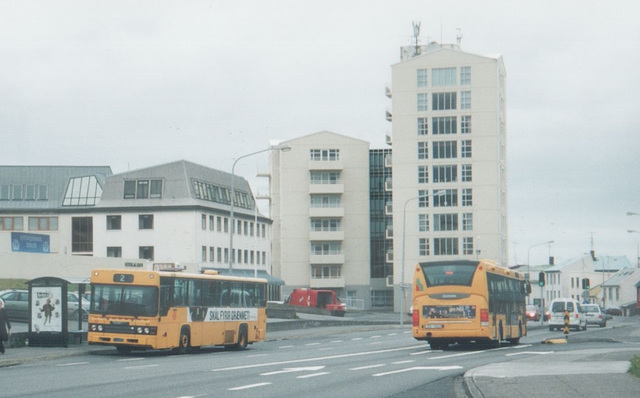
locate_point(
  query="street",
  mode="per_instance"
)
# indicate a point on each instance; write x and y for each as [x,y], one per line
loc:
[347,362]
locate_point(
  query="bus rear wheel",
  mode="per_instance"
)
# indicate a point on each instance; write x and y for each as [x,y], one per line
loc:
[242,340]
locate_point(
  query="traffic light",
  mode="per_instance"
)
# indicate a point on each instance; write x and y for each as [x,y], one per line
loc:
[541,279]
[586,284]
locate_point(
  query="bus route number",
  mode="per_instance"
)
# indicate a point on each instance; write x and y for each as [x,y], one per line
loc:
[123,278]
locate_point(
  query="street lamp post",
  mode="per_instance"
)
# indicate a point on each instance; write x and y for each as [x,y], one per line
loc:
[232,221]
[529,265]
[404,225]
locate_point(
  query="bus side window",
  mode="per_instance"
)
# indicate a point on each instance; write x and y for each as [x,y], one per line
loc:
[180,292]
[165,299]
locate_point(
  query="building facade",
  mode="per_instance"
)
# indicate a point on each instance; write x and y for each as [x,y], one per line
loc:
[449,158]
[171,215]
[320,206]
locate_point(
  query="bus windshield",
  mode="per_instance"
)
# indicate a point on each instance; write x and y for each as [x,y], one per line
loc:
[124,300]
[449,273]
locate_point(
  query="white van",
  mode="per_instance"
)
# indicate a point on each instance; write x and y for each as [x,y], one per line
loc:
[577,319]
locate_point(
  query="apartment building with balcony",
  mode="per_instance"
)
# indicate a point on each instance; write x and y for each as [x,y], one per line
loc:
[449,142]
[320,206]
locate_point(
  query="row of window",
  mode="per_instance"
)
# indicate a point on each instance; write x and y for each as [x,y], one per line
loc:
[445,149]
[24,192]
[443,101]
[326,224]
[441,77]
[217,194]
[324,177]
[221,224]
[445,173]
[324,200]
[444,125]
[446,222]
[114,222]
[445,246]
[239,256]
[324,154]
[144,252]
[326,271]
[16,223]
[143,189]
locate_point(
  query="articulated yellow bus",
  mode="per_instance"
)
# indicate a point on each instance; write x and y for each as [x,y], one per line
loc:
[468,301]
[133,310]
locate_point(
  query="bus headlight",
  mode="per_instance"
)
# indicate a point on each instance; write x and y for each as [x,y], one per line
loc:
[146,330]
[99,328]
[139,330]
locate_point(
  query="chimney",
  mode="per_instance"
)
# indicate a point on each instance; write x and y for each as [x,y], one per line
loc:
[551,260]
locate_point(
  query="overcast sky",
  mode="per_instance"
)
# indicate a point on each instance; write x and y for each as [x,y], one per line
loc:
[134,84]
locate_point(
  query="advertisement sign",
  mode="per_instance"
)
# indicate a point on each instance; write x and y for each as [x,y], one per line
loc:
[30,243]
[46,310]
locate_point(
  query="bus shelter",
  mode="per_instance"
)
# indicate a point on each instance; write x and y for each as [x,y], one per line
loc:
[50,307]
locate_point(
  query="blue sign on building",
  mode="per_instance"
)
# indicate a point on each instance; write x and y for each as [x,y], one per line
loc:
[30,243]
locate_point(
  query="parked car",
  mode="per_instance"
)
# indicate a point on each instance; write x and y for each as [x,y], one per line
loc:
[595,315]
[533,313]
[614,311]
[73,303]
[547,313]
[577,318]
[16,303]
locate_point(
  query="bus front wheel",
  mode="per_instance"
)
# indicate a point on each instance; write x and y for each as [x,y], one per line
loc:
[185,341]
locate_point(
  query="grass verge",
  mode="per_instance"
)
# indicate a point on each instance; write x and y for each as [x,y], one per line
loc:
[634,369]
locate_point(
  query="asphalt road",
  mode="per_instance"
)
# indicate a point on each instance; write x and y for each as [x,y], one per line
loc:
[332,362]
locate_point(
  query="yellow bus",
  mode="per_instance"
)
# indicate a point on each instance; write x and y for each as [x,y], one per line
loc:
[468,301]
[135,310]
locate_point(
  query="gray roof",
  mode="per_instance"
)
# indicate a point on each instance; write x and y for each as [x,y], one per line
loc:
[602,263]
[55,178]
[620,276]
[178,187]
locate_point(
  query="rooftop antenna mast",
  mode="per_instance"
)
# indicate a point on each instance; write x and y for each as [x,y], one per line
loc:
[459,36]
[416,34]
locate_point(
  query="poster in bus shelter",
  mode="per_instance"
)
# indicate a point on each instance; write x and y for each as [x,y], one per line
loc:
[46,309]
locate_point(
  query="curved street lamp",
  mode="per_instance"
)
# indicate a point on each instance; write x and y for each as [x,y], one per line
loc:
[284,148]
[404,225]
[528,262]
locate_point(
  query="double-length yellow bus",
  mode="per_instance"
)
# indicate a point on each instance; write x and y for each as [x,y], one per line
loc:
[134,310]
[468,301]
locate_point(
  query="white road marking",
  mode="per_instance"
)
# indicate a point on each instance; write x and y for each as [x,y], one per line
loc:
[438,368]
[376,337]
[425,352]
[140,367]
[325,349]
[286,346]
[312,375]
[529,353]
[72,364]
[291,370]
[256,355]
[129,359]
[368,367]
[356,338]
[248,386]
[310,344]
[337,341]
[355,354]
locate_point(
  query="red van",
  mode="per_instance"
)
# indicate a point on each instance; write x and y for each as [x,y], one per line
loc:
[314,298]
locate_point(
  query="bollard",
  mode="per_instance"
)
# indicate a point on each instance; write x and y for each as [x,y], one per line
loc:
[565,329]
